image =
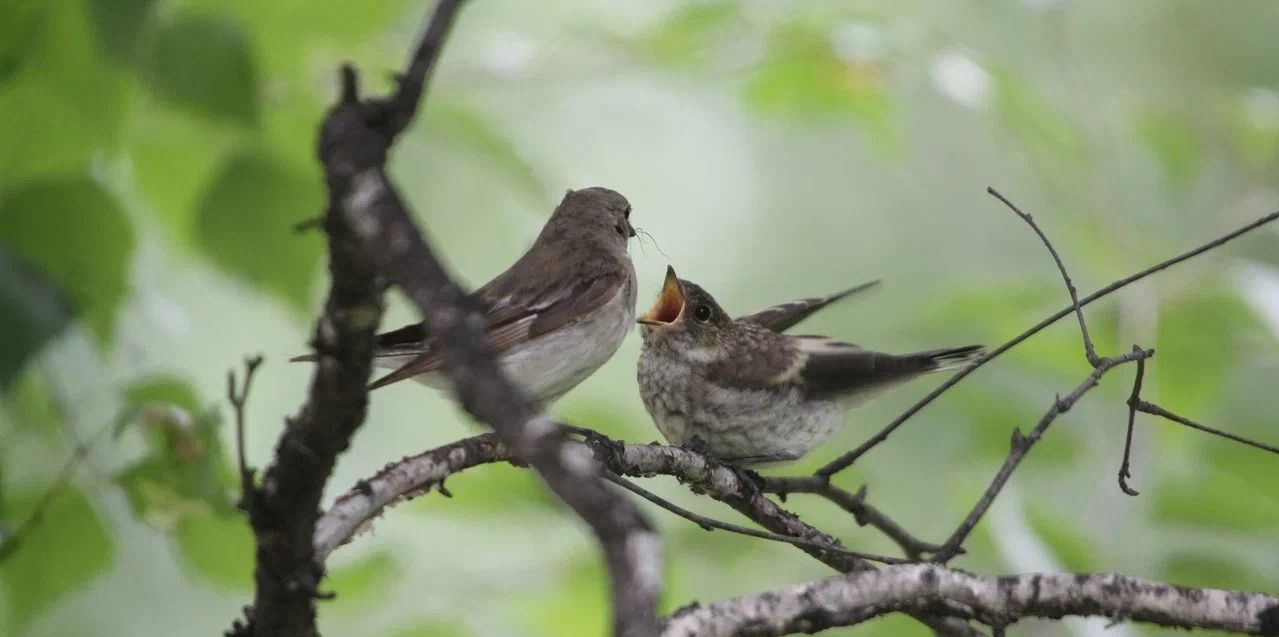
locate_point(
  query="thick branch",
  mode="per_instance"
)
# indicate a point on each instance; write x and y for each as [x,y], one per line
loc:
[284,508]
[998,601]
[408,478]
[373,209]
[416,475]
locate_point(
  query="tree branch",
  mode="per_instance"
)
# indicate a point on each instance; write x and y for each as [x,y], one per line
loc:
[1021,444]
[847,459]
[283,510]
[239,397]
[415,475]
[855,503]
[370,206]
[998,601]
[398,481]
[1124,472]
[711,524]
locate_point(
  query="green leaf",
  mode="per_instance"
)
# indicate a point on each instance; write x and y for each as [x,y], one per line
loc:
[218,548]
[801,76]
[245,224]
[1174,142]
[32,312]
[361,581]
[689,33]
[118,24]
[170,176]
[17,26]
[206,65]
[185,472]
[79,237]
[62,105]
[474,134]
[68,549]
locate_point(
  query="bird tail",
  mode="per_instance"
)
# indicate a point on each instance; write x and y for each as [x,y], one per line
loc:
[941,360]
[305,358]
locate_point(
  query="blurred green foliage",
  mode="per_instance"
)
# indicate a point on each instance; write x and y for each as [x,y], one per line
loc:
[157,155]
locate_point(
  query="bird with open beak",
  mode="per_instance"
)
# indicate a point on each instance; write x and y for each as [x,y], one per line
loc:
[746,393]
[555,316]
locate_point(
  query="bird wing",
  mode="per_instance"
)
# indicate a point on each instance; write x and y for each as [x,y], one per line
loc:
[784,316]
[514,316]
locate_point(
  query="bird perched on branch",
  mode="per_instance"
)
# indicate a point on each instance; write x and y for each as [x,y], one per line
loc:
[744,392]
[555,316]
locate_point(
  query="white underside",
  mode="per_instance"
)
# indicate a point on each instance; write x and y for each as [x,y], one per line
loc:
[550,365]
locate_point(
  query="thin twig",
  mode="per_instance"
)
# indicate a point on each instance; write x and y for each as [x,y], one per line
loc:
[855,503]
[238,398]
[1124,472]
[1021,444]
[1089,350]
[1156,410]
[307,225]
[846,460]
[710,524]
[10,542]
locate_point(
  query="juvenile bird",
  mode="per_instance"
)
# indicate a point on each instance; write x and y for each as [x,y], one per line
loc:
[743,392]
[555,316]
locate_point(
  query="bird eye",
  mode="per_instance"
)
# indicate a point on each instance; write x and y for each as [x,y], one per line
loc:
[627,213]
[702,313]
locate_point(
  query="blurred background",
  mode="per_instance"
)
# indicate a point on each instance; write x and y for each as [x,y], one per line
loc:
[155,156]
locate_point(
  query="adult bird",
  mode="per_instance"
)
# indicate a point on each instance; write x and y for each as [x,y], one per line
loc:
[555,316]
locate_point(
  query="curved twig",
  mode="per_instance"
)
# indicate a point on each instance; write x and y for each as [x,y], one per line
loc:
[847,459]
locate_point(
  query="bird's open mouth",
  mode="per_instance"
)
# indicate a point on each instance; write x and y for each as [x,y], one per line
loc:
[669,304]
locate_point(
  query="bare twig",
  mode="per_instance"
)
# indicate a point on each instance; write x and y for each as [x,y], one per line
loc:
[1089,351]
[855,503]
[1021,444]
[307,225]
[711,524]
[10,542]
[1156,410]
[846,460]
[1124,472]
[996,601]
[238,397]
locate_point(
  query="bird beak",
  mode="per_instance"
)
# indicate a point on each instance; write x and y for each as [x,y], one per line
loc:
[669,304]
[631,229]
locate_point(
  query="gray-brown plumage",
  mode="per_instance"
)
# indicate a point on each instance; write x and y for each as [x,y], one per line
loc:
[747,393]
[556,315]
